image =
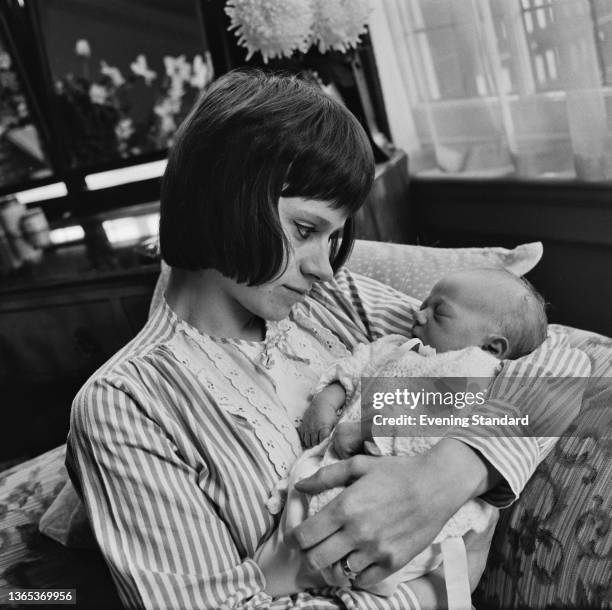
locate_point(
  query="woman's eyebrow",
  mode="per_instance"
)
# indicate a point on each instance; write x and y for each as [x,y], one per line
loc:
[315,219]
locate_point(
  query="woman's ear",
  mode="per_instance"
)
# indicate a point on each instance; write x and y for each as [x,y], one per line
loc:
[497,345]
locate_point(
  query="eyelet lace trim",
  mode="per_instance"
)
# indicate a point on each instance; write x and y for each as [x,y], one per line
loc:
[283,440]
[277,449]
[322,334]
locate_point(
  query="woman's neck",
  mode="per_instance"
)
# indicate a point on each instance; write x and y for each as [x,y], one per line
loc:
[201,299]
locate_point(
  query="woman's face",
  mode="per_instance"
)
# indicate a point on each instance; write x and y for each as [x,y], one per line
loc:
[309,226]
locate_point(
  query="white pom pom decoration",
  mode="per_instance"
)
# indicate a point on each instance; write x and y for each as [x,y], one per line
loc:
[338,24]
[276,28]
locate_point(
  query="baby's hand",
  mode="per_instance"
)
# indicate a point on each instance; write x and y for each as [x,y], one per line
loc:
[322,415]
[317,424]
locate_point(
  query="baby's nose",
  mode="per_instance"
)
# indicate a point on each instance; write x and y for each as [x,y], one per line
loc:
[420,317]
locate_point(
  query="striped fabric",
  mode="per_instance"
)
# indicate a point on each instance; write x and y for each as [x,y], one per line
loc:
[168,450]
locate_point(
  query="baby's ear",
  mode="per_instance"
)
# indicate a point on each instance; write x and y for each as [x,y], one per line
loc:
[497,345]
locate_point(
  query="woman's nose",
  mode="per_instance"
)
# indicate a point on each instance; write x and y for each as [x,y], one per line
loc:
[317,265]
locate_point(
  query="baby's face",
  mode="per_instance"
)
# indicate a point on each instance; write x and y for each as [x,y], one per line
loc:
[455,314]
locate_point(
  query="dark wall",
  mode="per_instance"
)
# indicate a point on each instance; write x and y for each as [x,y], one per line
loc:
[573,221]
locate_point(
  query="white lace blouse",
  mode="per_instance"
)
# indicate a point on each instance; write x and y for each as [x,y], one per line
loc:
[267,384]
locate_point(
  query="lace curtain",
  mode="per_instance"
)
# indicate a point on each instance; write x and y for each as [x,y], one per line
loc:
[499,87]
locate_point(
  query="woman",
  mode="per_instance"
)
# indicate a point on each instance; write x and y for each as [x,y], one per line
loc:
[177,442]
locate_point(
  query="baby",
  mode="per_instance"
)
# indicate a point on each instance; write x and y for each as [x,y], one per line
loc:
[490,309]
[470,321]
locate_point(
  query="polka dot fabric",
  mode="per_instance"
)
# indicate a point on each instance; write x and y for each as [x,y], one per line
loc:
[415,269]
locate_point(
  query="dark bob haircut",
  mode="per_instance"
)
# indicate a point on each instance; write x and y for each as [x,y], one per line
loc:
[250,139]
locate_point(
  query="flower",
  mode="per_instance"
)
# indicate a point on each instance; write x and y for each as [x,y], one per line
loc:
[177,67]
[124,129]
[114,74]
[338,24]
[82,48]
[202,72]
[179,72]
[98,94]
[140,68]
[166,110]
[275,28]
[168,105]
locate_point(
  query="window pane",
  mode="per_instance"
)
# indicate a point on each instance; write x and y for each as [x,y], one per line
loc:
[602,12]
[522,87]
[561,42]
[451,48]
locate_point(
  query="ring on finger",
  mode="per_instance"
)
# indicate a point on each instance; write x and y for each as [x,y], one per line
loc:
[346,568]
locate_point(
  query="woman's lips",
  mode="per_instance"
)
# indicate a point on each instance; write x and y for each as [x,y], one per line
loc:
[302,292]
[295,293]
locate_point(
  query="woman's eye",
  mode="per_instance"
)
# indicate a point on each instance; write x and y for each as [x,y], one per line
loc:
[304,231]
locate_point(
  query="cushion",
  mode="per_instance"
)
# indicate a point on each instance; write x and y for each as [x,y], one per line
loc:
[31,560]
[415,269]
[66,521]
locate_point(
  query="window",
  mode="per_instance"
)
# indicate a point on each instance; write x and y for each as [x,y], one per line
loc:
[499,87]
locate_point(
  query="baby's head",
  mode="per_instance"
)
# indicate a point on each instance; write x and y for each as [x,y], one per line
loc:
[489,308]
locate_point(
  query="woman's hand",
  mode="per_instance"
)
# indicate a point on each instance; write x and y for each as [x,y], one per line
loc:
[392,508]
[348,439]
